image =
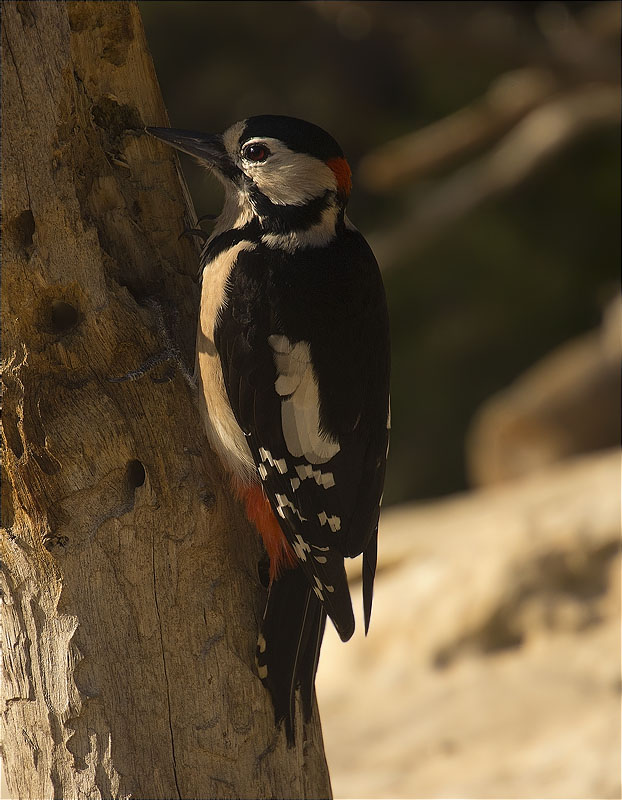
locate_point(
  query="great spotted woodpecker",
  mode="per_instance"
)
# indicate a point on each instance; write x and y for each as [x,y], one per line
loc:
[293,370]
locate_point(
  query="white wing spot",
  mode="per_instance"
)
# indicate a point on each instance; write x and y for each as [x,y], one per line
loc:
[317,547]
[284,502]
[329,588]
[318,588]
[334,524]
[325,479]
[301,548]
[266,455]
[262,671]
[263,472]
[281,465]
[295,482]
[320,559]
[261,643]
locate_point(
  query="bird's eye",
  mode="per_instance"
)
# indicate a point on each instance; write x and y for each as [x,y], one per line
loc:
[255,152]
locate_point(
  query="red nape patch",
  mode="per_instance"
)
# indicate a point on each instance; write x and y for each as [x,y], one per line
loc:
[341,169]
[259,512]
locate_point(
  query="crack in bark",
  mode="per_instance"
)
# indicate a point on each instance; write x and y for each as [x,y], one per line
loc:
[168,693]
[42,46]
[19,80]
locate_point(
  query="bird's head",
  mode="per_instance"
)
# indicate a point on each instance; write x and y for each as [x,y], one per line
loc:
[271,164]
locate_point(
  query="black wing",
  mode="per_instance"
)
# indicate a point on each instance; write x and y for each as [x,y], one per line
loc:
[303,342]
[324,312]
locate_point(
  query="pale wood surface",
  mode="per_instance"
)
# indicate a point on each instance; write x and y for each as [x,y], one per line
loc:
[492,664]
[132,600]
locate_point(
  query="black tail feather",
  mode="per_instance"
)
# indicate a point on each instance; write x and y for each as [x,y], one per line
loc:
[289,646]
[315,643]
[370,557]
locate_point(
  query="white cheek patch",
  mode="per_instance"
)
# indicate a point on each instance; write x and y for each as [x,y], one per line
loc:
[287,177]
[300,407]
[334,523]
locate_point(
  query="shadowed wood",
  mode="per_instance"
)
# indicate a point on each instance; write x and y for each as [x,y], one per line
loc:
[129,573]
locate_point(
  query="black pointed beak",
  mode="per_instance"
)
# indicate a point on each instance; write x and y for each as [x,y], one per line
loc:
[206,146]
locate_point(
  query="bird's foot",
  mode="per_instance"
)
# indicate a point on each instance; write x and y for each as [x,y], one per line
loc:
[203,235]
[170,353]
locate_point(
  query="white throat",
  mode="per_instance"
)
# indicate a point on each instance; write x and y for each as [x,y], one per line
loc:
[236,212]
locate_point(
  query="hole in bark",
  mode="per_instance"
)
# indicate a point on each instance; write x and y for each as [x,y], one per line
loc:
[25,11]
[208,498]
[115,119]
[63,316]
[135,474]
[24,229]
[52,540]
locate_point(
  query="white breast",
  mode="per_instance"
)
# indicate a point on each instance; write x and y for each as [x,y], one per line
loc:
[223,432]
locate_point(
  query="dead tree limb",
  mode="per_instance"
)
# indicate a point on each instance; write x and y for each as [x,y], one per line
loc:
[129,575]
[415,155]
[536,139]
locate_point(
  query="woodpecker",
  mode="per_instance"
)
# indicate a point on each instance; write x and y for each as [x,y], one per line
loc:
[293,366]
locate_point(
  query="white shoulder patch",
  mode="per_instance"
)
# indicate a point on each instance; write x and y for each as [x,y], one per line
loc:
[300,407]
[224,434]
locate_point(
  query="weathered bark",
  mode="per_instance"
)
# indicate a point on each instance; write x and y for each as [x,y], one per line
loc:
[132,600]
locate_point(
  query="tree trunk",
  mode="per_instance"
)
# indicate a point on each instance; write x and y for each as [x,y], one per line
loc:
[132,599]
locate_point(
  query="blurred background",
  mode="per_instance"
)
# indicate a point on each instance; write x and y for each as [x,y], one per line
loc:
[484,139]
